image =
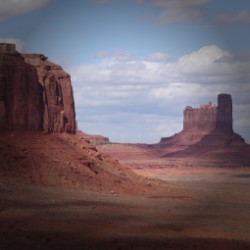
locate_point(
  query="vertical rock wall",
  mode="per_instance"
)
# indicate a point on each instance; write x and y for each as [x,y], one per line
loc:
[224,122]
[59,109]
[21,101]
[200,119]
[35,94]
[208,118]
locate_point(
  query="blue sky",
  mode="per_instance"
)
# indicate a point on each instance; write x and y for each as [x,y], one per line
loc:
[135,64]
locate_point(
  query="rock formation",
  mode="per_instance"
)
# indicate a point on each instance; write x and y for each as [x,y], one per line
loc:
[200,119]
[208,117]
[207,133]
[35,94]
[215,121]
[224,121]
[95,140]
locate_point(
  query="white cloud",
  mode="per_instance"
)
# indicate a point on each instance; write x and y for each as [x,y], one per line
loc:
[11,8]
[142,88]
[242,17]
[20,45]
[158,57]
[176,90]
[202,66]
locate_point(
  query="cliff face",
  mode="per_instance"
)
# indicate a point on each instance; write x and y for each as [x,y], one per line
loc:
[224,121]
[21,103]
[35,94]
[200,119]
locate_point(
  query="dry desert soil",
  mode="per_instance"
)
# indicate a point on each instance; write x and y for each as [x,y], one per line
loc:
[186,207]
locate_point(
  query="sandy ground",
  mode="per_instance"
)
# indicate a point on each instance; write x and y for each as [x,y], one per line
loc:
[59,192]
[201,209]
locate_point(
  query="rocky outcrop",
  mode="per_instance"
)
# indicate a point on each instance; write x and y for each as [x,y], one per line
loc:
[207,134]
[209,124]
[200,119]
[224,119]
[95,140]
[208,118]
[35,94]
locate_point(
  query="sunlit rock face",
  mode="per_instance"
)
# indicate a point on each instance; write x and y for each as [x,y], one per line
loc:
[35,94]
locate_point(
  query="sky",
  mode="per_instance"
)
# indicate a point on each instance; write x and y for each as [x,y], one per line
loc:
[136,64]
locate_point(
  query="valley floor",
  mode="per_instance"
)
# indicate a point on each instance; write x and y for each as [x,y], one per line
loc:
[199,208]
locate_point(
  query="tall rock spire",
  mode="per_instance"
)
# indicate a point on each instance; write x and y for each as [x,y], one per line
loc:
[224,121]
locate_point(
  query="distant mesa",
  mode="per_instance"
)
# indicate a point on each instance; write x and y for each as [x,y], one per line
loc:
[35,94]
[207,133]
[207,139]
[208,117]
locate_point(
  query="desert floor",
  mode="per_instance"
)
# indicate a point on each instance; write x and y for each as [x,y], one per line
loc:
[199,208]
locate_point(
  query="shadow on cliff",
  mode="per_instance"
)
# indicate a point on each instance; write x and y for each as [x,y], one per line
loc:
[216,146]
[35,94]
[21,95]
[208,134]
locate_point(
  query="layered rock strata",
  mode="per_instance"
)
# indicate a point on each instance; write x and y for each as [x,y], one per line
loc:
[35,94]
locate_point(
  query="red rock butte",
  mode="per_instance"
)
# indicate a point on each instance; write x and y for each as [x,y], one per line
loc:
[214,123]
[210,117]
[207,133]
[35,94]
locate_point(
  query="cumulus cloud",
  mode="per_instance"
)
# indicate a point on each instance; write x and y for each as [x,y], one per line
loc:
[225,18]
[234,58]
[20,45]
[202,66]
[11,8]
[143,88]
[158,57]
